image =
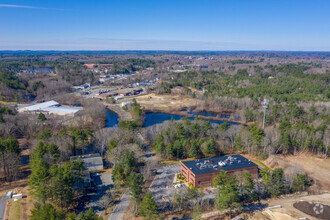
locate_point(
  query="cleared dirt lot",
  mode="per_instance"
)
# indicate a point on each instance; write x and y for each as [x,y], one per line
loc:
[153,102]
[317,168]
[287,211]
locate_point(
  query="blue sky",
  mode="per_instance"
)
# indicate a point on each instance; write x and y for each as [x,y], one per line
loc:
[165,25]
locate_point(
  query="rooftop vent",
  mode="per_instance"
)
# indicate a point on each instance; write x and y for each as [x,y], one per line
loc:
[222,164]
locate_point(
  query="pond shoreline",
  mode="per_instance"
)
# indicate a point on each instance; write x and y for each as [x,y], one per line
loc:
[115,114]
[209,118]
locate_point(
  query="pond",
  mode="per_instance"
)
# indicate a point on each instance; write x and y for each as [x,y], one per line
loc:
[152,118]
[112,119]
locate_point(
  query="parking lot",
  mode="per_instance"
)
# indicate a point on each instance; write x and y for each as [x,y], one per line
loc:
[103,182]
[162,185]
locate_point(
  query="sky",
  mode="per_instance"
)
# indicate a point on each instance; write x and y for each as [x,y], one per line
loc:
[283,25]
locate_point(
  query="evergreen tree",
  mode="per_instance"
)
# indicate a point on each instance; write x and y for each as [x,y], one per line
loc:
[248,186]
[118,174]
[61,185]
[273,181]
[194,148]
[44,134]
[42,117]
[221,179]
[46,212]
[210,148]
[38,180]
[227,192]
[89,215]
[135,184]
[148,207]
[301,182]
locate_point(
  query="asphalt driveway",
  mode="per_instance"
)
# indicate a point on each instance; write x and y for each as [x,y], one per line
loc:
[2,206]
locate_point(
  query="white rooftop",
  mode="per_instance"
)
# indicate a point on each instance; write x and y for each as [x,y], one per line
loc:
[41,106]
[62,109]
[51,107]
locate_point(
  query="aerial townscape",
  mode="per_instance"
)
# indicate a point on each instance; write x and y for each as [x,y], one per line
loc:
[174,110]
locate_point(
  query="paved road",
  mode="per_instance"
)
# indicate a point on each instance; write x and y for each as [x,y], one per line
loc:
[149,156]
[123,204]
[2,206]
[121,207]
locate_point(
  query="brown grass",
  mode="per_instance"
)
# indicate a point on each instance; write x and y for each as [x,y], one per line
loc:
[15,211]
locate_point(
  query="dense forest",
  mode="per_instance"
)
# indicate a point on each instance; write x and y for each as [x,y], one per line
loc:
[285,83]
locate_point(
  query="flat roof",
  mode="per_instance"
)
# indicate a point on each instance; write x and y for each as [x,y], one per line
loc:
[41,105]
[62,109]
[215,164]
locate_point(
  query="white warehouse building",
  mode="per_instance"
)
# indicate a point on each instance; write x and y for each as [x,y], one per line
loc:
[50,107]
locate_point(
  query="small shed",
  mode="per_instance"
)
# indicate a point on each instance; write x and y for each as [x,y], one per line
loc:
[9,194]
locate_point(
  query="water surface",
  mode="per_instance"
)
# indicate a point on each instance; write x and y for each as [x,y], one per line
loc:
[112,119]
[152,118]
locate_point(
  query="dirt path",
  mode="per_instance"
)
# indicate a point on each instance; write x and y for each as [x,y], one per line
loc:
[123,116]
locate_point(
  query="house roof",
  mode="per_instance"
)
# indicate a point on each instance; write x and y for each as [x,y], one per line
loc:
[215,164]
[90,160]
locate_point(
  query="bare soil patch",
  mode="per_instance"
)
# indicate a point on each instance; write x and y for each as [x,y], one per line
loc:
[317,210]
[154,102]
[287,205]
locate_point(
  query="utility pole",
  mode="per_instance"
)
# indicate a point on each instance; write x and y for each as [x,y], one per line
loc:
[264,105]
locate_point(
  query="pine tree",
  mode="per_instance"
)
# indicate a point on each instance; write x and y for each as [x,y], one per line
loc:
[135,184]
[89,215]
[210,147]
[42,117]
[46,212]
[227,192]
[248,185]
[148,207]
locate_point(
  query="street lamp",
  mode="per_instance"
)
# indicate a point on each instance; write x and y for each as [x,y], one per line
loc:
[264,105]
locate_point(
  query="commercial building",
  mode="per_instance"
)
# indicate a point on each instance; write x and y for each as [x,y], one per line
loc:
[50,107]
[201,172]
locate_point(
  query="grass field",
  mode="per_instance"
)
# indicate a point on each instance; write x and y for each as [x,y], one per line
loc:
[260,163]
[15,211]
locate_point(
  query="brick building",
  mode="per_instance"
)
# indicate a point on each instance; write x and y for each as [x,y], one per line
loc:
[201,172]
